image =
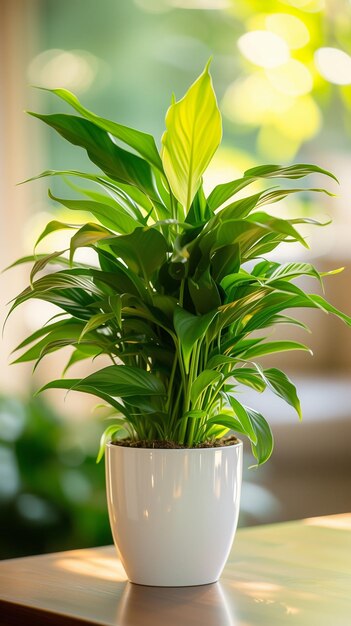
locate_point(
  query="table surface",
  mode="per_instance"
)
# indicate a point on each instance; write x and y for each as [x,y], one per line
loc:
[296,573]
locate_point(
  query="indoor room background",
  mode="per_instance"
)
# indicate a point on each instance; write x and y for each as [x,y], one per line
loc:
[282,73]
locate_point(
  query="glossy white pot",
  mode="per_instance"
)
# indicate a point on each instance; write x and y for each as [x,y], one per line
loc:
[173,513]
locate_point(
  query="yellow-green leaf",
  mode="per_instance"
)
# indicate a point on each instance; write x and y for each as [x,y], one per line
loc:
[193,133]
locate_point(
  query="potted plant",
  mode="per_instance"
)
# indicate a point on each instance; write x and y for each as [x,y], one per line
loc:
[179,297]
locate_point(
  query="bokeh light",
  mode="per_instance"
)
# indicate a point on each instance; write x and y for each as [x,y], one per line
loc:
[334,65]
[73,69]
[293,78]
[264,48]
[291,28]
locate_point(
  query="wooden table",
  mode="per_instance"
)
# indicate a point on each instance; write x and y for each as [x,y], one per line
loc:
[296,573]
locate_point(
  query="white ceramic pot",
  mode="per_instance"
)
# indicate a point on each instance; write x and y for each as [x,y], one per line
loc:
[173,513]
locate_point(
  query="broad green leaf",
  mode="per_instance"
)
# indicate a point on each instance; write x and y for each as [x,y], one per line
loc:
[270,347]
[292,171]
[237,347]
[116,218]
[270,197]
[221,193]
[144,250]
[241,232]
[200,211]
[263,449]
[322,303]
[56,281]
[44,330]
[63,330]
[288,271]
[117,275]
[243,417]
[239,209]
[243,307]
[225,261]
[52,227]
[249,377]
[193,133]
[88,235]
[77,385]
[283,387]
[190,328]
[115,198]
[224,191]
[204,293]
[278,225]
[118,164]
[117,381]
[141,142]
[262,444]
[101,346]
[128,197]
[202,382]
[218,360]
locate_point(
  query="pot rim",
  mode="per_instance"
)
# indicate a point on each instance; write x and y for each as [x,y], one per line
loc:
[111,445]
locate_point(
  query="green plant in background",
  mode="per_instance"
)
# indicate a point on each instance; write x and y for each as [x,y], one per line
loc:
[180,282]
[52,495]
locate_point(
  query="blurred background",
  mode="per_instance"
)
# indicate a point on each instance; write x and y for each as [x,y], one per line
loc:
[282,73]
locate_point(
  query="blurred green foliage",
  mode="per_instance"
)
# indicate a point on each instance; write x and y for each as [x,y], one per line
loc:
[52,493]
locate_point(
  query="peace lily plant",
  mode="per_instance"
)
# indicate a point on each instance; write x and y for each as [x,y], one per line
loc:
[183,290]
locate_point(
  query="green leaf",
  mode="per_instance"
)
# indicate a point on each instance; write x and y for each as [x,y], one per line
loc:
[190,328]
[114,218]
[329,308]
[119,381]
[262,444]
[85,351]
[204,293]
[225,261]
[126,197]
[263,449]
[42,288]
[298,170]
[52,227]
[283,387]
[118,164]
[144,250]
[63,330]
[142,143]
[224,191]
[115,303]
[200,211]
[88,235]
[243,417]
[95,322]
[42,262]
[107,436]
[250,378]
[270,347]
[277,224]
[220,359]
[116,198]
[288,271]
[221,193]
[204,380]
[193,133]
